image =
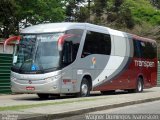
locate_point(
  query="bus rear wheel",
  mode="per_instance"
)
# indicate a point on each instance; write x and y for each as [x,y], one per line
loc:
[139,86]
[43,96]
[84,88]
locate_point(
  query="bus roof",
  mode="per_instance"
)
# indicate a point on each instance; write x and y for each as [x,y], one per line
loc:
[142,38]
[61,27]
[52,27]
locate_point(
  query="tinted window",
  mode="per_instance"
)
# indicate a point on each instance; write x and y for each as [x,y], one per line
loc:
[96,43]
[137,46]
[71,46]
[146,50]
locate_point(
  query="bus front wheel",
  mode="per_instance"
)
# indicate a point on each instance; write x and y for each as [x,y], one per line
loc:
[84,88]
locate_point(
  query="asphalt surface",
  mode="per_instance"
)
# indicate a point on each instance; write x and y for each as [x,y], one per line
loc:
[149,108]
[70,106]
[144,108]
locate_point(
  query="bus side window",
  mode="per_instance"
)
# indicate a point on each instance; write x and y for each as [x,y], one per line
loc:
[146,50]
[71,46]
[149,50]
[67,52]
[137,48]
[96,43]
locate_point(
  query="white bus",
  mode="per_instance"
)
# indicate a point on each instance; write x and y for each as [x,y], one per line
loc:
[75,58]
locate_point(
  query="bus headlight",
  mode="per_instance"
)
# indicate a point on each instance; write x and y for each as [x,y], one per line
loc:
[54,78]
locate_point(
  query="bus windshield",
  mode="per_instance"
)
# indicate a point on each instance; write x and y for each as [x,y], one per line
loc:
[37,53]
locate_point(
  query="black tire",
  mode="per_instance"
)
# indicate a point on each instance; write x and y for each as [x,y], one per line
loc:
[43,96]
[139,86]
[84,88]
[109,92]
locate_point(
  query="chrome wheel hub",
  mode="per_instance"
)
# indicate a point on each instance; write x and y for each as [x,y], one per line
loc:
[139,86]
[84,90]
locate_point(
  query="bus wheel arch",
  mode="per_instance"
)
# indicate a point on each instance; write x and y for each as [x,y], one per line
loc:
[86,86]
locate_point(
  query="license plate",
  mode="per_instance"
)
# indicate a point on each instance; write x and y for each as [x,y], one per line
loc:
[30,88]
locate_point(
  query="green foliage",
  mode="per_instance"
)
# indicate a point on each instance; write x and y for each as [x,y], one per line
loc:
[73,10]
[142,11]
[119,14]
[156,3]
[99,6]
[41,11]
[127,13]
[136,15]
[27,12]
[83,15]
[8,20]
[98,10]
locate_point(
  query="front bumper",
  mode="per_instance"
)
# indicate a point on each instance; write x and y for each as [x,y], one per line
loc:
[48,87]
[37,83]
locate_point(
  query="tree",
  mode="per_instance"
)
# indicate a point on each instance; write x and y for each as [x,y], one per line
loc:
[73,9]
[8,19]
[156,3]
[83,15]
[70,7]
[98,10]
[41,11]
[22,13]
[125,17]
[120,15]
[99,6]
[117,5]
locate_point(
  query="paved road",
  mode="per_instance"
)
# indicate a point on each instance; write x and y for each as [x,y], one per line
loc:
[27,99]
[65,106]
[144,108]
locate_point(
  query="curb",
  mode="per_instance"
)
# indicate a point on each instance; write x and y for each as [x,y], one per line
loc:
[86,110]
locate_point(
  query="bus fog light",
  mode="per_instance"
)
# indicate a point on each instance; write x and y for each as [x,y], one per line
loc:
[54,86]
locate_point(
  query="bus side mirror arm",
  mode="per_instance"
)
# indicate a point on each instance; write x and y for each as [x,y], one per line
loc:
[14,38]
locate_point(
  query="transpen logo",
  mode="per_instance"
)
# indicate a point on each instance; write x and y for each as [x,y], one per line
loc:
[141,63]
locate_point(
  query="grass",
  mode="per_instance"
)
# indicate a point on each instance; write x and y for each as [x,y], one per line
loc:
[19,107]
